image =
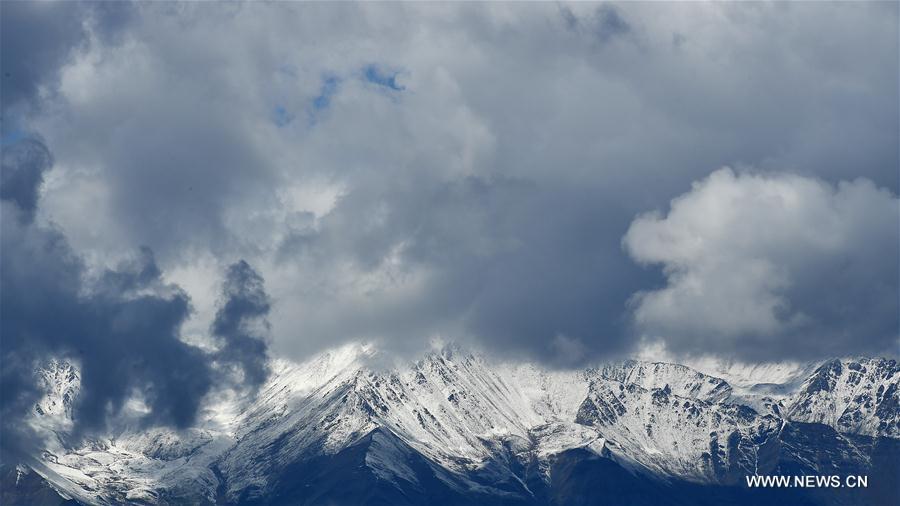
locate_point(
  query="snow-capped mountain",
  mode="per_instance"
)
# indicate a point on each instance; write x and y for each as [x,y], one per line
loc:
[458,428]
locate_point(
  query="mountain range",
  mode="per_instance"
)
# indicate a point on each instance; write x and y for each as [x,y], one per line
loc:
[460,428]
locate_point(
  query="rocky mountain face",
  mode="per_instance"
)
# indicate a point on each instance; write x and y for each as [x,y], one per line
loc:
[457,428]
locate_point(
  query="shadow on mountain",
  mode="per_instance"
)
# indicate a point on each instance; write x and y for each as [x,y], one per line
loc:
[381,469]
[23,487]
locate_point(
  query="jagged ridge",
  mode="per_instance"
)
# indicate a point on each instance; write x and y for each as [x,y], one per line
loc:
[470,427]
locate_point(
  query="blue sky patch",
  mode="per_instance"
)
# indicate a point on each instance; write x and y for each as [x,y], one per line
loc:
[281,116]
[377,75]
[329,88]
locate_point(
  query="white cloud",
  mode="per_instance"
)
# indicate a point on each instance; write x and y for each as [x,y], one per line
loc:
[777,260]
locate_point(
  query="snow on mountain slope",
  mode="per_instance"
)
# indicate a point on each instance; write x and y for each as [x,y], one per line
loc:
[681,380]
[675,435]
[447,406]
[552,394]
[463,420]
[766,387]
[60,380]
[134,468]
[774,379]
[856,396]
[129,465]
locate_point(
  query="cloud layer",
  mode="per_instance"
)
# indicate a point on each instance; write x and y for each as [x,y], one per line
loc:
[399,172]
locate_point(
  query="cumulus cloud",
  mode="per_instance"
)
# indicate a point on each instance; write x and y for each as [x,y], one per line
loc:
[768,266]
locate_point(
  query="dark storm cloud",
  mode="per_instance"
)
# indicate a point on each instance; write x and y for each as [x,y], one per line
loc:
[122,329]
[241,323]
[125,341]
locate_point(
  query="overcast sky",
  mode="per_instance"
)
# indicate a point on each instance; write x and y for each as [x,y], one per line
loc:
[556,182]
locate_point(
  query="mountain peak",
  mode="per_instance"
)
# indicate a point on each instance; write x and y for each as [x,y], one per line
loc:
[461,420]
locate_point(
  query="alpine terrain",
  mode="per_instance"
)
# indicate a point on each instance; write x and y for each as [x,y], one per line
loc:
[458,428]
